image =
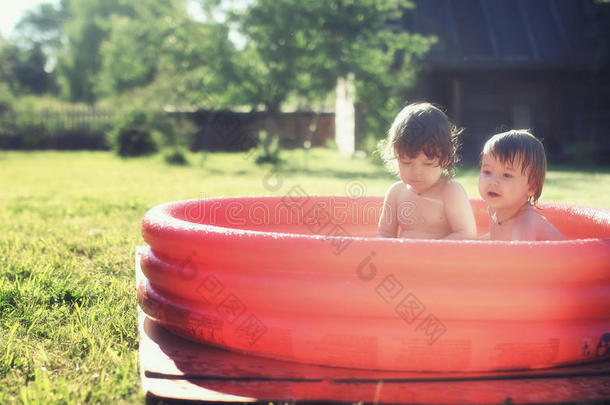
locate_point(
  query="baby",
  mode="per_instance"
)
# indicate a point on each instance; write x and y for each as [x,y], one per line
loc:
[426,203]
[513,167]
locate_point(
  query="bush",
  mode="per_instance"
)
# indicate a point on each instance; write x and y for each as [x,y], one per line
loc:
[37,123]
[133,135]
[6,99]
[6,108]
[175,130]
[176,157]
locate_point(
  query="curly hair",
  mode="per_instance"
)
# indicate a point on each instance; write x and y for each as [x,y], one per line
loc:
[421,127]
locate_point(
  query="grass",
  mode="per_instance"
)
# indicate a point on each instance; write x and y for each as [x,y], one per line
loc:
[69,225]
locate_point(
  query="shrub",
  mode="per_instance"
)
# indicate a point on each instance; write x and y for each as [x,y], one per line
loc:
[175,130]
[176,157]
[6,99]
[133,135]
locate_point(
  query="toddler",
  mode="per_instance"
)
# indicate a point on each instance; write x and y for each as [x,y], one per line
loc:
[426,203]
[513,167]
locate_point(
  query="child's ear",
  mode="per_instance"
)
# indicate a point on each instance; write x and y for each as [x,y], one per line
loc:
[531,191]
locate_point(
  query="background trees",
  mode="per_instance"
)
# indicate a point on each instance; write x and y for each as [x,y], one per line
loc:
[301,48]
[153,52]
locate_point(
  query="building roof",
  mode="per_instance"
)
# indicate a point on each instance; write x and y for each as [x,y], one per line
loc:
[510,33]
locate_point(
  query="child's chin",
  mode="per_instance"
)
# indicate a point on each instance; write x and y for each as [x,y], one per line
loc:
[492,202]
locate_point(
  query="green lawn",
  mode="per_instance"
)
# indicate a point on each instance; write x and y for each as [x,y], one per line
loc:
[69,224]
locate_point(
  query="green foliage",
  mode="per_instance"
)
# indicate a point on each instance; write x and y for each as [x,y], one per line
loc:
[128,58]
[133,134]
[6,99]
[29,129]
[80,62]
[31,72]
[176,157]
[7,122]
[33,122]
[303,47]
[89,26]
[44,25]
[176,130]
[201,72]
[317,42]
[23,69]
[132,51]
[9,60]
[151,53]
[22,129]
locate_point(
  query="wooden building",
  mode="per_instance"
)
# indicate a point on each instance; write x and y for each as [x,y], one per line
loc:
[537,64]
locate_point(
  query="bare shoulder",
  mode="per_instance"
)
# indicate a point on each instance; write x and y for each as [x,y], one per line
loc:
[532,226]
[393,193]
[395,189]
[453,191]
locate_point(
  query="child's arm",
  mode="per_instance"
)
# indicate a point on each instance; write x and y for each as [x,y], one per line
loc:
[459,212]
[388,222]
[549,232]
[533,226]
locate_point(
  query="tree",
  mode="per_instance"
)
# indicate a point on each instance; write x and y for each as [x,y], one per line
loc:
[152,47]
[303,47]
[131,51]
[39,33]
[31,73]
[179,61]
[23,70]
[88,26]
[9,58]
[44,25]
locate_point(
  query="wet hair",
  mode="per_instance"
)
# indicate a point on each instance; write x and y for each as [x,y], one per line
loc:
[520,146]
[421,127]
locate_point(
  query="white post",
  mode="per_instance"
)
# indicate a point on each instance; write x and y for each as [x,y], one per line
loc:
[345,115]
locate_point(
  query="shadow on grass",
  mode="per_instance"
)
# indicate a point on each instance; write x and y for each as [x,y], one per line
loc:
[336,173]
[361,170]
[287,170]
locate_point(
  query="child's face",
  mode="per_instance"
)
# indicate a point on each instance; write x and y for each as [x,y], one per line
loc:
[421,172]
[503,185]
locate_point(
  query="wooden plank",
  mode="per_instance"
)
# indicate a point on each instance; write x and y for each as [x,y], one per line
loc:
[179,369]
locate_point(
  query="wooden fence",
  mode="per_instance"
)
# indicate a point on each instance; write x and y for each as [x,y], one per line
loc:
[66,128]
[81,118]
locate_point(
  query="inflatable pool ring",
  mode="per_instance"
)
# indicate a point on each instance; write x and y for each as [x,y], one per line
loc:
[303,278]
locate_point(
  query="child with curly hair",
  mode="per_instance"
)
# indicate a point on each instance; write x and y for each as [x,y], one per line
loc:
[426,203]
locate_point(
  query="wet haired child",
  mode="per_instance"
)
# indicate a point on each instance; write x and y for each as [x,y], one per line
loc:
[513,167]
[426,203]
